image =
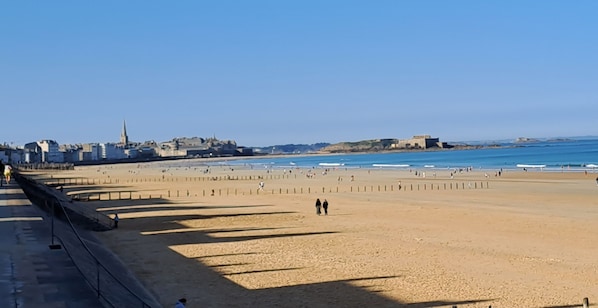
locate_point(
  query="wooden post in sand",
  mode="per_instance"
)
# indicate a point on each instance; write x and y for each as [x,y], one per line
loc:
[586,302]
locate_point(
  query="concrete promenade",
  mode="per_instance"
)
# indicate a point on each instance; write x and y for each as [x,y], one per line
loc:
[32,274]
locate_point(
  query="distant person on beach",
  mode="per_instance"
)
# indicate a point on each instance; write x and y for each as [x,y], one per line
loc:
[7,173]
[597,181]
[318,206]
[261,186]
[181,303]
[1,171]
[325,206]
[116,219]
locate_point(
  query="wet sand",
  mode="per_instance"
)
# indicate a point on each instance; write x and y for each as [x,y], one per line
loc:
[524,239]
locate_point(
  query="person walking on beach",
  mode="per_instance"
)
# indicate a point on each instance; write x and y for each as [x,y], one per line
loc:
[1,171]
[596,181]
[318,206]
[7,173]
[325,206]
[116,219]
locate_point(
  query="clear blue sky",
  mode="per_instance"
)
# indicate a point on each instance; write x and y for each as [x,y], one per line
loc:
[275,72]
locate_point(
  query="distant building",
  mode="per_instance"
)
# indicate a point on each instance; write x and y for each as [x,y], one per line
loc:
[90,151]
[110,151]
[11,155]
[124,139]
[50,151]
[32,153]
[419,142]
[4,154]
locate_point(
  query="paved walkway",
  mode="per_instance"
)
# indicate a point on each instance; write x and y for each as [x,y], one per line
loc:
[32,274]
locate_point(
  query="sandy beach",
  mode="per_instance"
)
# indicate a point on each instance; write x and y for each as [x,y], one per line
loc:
[522,239]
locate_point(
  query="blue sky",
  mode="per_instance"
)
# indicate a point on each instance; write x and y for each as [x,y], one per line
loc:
[275,72]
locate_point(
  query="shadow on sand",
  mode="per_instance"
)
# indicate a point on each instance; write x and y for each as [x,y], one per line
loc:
[214,289]
[211,285]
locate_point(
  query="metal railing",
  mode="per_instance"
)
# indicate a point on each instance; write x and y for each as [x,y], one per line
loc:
[112,290]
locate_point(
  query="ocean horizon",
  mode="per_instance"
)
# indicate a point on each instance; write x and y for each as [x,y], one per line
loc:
[561,155]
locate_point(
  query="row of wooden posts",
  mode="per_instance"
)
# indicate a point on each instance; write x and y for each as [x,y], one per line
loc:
[128,195]
[108,180]
[88,181]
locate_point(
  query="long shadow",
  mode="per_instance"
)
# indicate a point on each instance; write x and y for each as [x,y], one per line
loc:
[113,188]
[566,306]
[345,293]
[149,208]
[170,222]
[228,255]
[445,303]
[215,289]
[210,286]
[254,271]
[95,189]
[201,237]
[240,230]
[133,203]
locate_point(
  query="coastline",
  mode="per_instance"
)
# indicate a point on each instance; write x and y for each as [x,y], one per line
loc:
[279,161]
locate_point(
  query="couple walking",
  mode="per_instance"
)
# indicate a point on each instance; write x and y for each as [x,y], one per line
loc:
[320,205]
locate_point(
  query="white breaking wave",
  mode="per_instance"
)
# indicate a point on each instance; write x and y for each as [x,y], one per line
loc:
[390,165]
[530,166]
[331,164]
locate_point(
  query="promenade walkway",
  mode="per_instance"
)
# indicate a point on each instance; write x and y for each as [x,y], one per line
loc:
[32,274]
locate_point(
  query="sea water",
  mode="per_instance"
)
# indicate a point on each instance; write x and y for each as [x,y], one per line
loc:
[569,155]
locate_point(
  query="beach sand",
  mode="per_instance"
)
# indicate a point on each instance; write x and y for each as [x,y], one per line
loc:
[524,239]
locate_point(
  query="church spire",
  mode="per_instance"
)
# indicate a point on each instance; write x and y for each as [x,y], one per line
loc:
[124,139]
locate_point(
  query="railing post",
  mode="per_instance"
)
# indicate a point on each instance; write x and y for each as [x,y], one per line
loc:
[52,245]
[98,277]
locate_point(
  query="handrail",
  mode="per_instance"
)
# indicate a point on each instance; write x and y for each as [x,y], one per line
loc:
[46,197]
[98,263]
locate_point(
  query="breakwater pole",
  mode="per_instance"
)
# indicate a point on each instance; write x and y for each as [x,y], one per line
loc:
[211,192]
